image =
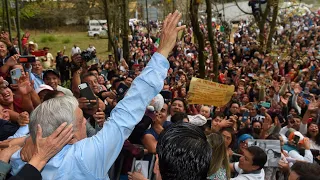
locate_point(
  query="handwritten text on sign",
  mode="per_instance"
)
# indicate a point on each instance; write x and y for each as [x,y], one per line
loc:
[209,93]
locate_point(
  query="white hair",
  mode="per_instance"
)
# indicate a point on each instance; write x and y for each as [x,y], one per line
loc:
[51,114]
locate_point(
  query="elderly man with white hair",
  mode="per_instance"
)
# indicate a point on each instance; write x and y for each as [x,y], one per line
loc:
[91,158]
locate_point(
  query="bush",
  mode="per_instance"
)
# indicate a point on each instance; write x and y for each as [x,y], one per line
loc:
[44,39]
[48,38]
[52,38]
[66,41]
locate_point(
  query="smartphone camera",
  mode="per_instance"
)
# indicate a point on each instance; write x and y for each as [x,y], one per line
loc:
[296,139]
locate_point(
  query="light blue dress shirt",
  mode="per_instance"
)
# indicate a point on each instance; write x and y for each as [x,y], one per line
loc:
[21,132]
[91,158]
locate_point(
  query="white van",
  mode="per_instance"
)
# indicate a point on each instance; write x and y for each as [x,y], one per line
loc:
[97,25]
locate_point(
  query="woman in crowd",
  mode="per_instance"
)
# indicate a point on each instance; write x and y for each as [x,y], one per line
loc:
[219,168]
[314,135]
[150,137]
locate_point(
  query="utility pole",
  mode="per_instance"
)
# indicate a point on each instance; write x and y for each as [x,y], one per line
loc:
[8,18]
[18,26]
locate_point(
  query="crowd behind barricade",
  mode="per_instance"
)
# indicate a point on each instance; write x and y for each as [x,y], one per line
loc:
[276,101]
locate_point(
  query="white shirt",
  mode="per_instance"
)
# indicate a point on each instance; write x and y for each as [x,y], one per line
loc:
[258,117]
[91,49]
[308,157]
[75,50]
[254,176]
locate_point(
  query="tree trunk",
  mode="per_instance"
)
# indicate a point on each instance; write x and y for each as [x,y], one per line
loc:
[273,25]
[194,6]
[125,39]
[212,39]
[261,22]
[111,36]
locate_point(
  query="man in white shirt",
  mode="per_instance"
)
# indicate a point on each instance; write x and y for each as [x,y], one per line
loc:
[250,165]
[47,61]
[75,50]
[91,48]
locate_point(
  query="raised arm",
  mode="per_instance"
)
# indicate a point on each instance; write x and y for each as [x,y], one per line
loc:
[98,153]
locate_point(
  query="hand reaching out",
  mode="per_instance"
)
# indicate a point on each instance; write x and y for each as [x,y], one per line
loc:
[169,33]
[313,106]
[46,148]
[23,119]
[6,153]
[99,117]
[24,85]
[12,60]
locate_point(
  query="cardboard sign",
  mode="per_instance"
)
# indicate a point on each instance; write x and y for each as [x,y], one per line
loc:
[209,93]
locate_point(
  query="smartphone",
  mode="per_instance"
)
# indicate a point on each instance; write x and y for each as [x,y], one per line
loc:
[307,101]
[266,104]
[15,74]
[245,116]
[27,59]
[38,53]
[296,139]
[122,89]
[167,95]
[86,91]
[289,117]
[250,75]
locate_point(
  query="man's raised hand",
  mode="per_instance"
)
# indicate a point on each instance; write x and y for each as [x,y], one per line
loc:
[169,33]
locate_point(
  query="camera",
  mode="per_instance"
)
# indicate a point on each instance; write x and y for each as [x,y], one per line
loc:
[87,56]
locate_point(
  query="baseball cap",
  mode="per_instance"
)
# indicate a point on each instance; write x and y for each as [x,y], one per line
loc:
[43,87]
[45,74]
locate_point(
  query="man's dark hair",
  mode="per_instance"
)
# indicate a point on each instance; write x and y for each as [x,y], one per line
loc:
[183,153]
[306,171]
[178,117]
[93,69]
[185,105]
[87,75]
[259,156]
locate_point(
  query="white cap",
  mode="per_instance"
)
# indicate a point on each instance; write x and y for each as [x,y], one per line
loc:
[43,87]
[197,120]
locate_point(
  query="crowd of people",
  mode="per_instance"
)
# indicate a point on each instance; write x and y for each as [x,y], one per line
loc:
[140,107]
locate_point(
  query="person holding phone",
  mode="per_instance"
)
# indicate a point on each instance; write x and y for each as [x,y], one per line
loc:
[297,141]
[84,159]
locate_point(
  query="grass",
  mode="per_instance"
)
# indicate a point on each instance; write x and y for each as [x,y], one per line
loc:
[57,40]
